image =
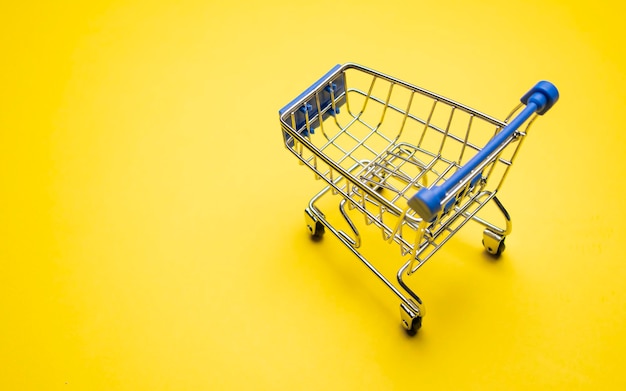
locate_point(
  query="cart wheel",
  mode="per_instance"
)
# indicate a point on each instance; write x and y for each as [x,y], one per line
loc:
[318,231]
[416,324]
[501,248]
[411,318]
[494,246]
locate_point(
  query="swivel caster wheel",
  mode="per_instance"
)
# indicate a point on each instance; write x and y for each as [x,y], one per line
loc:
[493,243]
[411,320]
[416,324]
[316,229]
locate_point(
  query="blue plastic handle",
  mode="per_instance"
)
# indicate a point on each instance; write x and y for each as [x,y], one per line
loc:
[312,88]
[539,99]
[327,90]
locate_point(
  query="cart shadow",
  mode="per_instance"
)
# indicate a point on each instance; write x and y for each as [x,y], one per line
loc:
[443,284]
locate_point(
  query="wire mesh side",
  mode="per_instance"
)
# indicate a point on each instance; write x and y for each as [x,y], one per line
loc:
[382,140]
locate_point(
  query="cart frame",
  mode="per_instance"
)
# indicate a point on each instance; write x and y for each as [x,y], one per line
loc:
[368,153]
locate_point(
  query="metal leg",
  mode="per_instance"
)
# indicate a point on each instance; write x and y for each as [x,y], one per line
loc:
[411,319]
[356,242]
[411,311]
[493,237]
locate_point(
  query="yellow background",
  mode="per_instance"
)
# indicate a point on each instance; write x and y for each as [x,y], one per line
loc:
[151,226]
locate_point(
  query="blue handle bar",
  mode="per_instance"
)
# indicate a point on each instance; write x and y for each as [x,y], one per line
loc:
[328,91]
[429,202]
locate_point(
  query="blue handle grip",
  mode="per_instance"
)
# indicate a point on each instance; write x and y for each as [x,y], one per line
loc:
[313,87]
[539,99]
[328,91]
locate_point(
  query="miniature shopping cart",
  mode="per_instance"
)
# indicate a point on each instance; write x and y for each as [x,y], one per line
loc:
[416,165]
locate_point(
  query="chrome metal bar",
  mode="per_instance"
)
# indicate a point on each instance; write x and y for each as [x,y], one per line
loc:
[406,115]
[469,126]
[367,98]
[521,137]
[356,243]
[385,107]
[507,219]
[319,110]
[322,219]
[447,132]
[427,123]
